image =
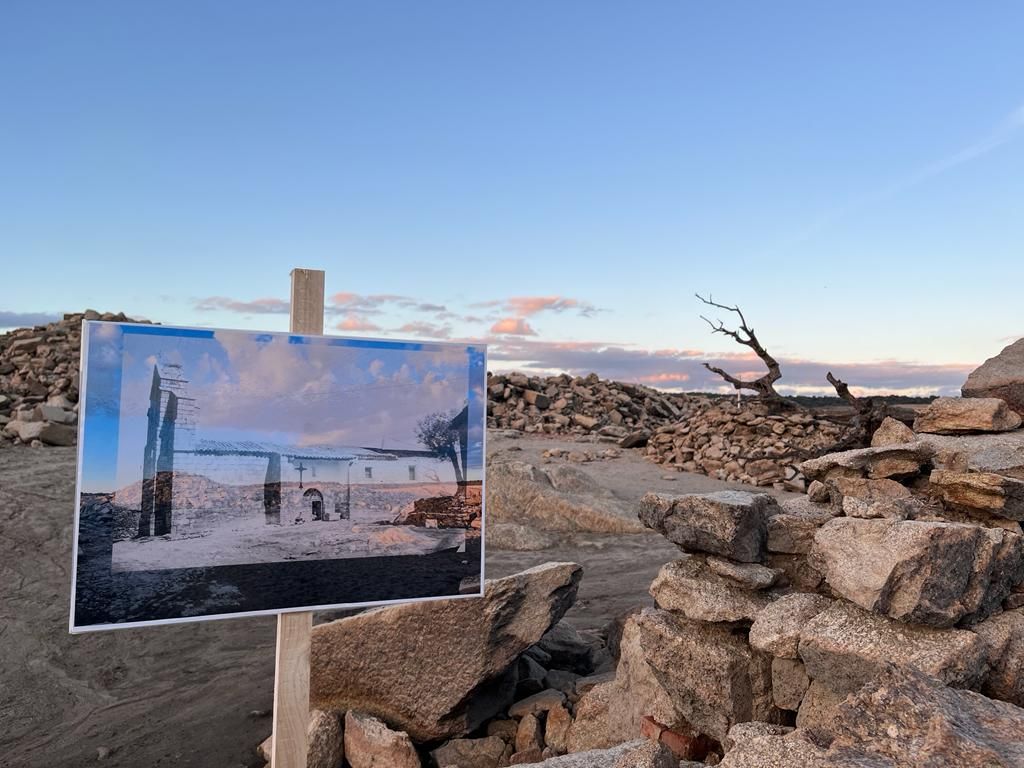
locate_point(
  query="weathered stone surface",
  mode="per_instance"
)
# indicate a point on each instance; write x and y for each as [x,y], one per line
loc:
[733,524]
[326,740]
[639,753]
[892,432]
[749,575]
[818,707]
[529,734]
[817,492]
[1001,376]
[905,718]
[539,702]
[590,728]
[984,492]
[957,416]
[793,530]
[432,695]
[916,571]
[789,683]
[1001,453]
[863,497]
[369,743]
[799,572]
[636,692]
[556,728]
[844,647]
[776,630]
[567,648]
[763,748]
[877,462]
[689,587]
[469,753]
[1004,641]
[712,676]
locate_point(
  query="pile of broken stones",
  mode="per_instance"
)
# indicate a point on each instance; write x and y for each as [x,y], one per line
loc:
[39,380]
[876,621]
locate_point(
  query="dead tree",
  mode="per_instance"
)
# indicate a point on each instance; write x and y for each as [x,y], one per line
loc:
[868,414]
[764,386]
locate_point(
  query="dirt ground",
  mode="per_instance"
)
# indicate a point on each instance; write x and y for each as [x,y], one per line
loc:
[199,695]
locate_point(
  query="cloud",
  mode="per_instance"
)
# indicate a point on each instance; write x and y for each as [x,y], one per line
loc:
[513,326]
[354,322]
[426,330]
[255,307]
[23,319]
[373,304]
[528,306]
[684,369]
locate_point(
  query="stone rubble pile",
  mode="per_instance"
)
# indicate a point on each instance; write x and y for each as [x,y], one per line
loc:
[39,380]
[745,442]
[877,620]
[581,405]
[739,442]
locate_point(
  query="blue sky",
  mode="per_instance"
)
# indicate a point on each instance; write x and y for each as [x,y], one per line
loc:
[851,175]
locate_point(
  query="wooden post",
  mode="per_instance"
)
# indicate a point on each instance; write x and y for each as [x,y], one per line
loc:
[291,672]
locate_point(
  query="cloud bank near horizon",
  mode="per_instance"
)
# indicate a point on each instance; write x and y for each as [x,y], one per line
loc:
[516,343]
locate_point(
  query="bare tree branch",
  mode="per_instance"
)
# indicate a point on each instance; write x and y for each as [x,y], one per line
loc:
[868,414]
[745,335]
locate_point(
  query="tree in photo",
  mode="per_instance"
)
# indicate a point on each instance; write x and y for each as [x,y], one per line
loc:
[437,433]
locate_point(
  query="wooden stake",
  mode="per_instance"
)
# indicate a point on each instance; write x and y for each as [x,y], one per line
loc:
[291,672]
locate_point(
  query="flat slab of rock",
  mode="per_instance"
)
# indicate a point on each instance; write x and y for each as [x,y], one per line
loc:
[639,753]
[958,416]
[776,630]
[933,573]
[843,647]
[903,460]
[748,575]
[765,749]
[387,662]
[470,753]
[1001,376]
[713,677]
[905,718]
[691,588]
[984,492]
[733,524]
[1001,453]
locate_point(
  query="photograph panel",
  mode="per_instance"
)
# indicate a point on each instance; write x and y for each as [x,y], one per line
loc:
[254,471]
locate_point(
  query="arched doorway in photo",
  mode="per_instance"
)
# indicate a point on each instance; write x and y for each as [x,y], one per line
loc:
[316,499]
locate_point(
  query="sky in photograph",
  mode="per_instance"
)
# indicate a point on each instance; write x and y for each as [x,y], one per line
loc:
[277,388]
[554,179]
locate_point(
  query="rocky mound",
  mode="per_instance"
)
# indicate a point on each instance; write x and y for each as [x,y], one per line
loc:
[878,620]
[39,370]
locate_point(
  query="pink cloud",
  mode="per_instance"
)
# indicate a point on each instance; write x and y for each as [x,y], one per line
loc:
[427,330]
[353,322]
[513,326]
[267,306]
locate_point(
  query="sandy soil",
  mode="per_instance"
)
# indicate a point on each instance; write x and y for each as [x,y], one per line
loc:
[197,695]
[251,541]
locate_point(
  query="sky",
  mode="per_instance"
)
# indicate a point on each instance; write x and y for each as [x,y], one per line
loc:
[277,388]
[557,180]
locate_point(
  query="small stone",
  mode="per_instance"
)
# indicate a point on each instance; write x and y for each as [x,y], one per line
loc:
[530,734]
[817,492]
[789,683]
[369,743]
[749,575]
[984,492]
[556,728]
[469,753]
[892,432]
[689,587]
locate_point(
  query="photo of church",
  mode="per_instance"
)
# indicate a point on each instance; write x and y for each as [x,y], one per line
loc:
[247,463]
